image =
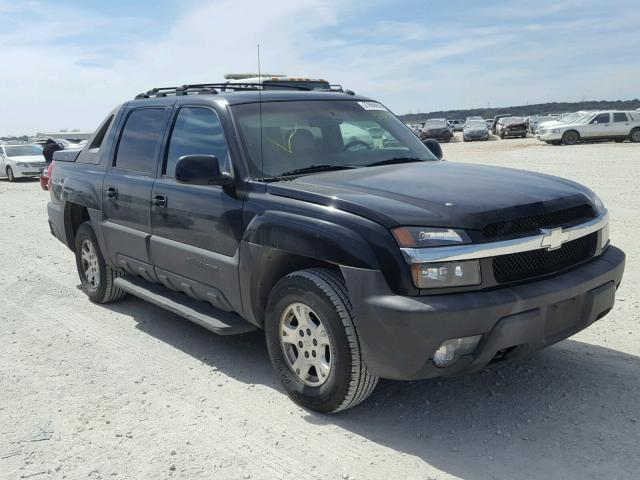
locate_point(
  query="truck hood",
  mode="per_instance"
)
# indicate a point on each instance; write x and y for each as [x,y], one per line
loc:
[436,193]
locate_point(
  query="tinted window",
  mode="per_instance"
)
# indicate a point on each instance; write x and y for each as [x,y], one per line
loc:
[620,117]
[602,118]
[141,137]
[197,131]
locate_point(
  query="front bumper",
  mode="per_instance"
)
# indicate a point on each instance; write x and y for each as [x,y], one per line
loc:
[21,170]
[549,137]
[437,136]
[515,132]
[399,335]
[475,136]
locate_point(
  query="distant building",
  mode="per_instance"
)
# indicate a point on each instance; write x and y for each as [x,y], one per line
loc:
[71,136]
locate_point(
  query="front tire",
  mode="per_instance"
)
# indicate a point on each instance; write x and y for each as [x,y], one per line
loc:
[634,136]
[570,138]
[313,343]
[97,277]
[10,175]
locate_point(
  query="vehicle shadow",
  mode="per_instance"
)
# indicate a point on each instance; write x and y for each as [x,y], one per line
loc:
[571,411]
[21,180]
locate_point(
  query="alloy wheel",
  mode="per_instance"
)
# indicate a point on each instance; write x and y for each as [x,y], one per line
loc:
[90,265]
[305,344]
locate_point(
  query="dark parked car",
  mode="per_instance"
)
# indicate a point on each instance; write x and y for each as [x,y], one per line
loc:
[512,127]
[494,124]
[436,129]
[475,130]
[250,210]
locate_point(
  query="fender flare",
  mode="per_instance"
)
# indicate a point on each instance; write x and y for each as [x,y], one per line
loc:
[278,243]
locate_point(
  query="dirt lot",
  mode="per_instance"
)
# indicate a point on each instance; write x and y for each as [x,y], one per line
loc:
[131,391]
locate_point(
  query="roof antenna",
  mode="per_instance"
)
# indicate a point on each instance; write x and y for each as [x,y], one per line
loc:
[260,113]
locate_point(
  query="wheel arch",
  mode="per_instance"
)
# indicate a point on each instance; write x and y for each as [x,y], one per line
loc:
[74,215]
[277,244]
[572,130]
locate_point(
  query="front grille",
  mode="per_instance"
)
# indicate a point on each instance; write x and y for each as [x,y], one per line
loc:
[532,225]
[526,265]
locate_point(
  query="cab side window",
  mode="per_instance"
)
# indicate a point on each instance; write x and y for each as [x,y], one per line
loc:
[140,140]
[620,117]
[197,131]
[600,119]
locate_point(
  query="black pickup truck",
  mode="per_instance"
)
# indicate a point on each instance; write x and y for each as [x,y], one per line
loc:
[320,218]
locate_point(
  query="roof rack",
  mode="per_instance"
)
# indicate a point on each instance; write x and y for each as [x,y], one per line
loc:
[215,88]
[211,89]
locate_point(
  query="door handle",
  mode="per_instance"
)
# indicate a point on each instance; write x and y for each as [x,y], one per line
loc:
[159,200]
[112,192]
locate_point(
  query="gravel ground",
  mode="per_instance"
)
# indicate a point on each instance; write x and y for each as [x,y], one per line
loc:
[131,391]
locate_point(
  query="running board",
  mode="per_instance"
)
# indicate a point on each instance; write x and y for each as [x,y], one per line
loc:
[218,321]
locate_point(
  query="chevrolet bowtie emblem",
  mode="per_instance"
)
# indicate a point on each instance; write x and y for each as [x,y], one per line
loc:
[553,238]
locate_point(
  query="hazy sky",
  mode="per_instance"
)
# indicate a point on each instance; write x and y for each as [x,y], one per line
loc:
[66,64]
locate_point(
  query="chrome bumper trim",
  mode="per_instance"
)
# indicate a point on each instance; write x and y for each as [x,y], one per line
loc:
[517,245]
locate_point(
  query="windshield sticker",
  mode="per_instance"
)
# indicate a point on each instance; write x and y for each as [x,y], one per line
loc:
[372,106]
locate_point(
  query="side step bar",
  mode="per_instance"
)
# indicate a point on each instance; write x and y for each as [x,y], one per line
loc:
[218,321]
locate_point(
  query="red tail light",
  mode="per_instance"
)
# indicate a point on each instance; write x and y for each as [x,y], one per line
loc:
[50,172]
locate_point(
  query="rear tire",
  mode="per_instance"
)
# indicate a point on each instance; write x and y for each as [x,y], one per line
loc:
[324,336]
[634,136]
[97,277]
[570,138]
[10,176]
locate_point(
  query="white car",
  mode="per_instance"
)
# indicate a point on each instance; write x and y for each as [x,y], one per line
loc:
[607,125]
[570,118]
[18,161]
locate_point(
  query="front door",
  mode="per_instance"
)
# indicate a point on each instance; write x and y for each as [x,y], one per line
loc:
[599,126]
[127,190]
[196,229]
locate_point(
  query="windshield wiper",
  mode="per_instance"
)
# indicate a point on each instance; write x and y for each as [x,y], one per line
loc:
[391,161]
[323,167]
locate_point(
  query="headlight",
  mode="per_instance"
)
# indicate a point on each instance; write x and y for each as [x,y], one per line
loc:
[555,130]
[446,274]
[413,237]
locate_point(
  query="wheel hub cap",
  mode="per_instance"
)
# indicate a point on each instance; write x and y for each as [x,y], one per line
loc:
[305,344]
[90,265]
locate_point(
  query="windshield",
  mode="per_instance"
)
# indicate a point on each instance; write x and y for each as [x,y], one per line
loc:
[23,150]
[576,117]
[512,120]
[435,124]
[301,134]
[476,124]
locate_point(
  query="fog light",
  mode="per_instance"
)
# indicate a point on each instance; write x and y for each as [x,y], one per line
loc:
[451,350]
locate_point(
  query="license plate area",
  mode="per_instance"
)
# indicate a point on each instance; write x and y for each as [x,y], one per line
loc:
[562,317]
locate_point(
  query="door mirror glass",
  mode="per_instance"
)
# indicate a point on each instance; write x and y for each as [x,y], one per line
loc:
[201,170]
[434,147]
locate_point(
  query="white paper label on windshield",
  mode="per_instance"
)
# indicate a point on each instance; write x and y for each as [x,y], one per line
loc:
[372,106]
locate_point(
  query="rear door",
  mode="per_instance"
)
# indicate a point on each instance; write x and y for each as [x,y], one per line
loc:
[621,125]
[196,229]
[127,189]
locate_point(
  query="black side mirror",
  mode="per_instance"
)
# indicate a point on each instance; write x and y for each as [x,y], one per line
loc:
[201,170]
[434,147]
